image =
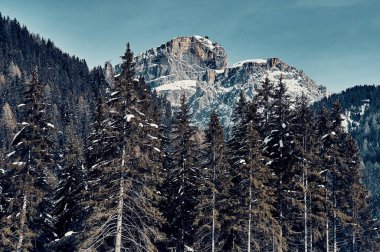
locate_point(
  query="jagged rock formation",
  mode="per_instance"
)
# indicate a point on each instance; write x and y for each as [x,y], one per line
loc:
[198,67]
[109,73]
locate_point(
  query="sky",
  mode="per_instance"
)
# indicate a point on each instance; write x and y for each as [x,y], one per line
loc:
[335,42]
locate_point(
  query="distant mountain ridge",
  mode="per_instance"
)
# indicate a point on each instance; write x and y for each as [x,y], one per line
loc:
[197,67]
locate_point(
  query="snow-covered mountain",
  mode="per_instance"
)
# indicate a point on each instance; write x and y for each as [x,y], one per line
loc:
[198,67]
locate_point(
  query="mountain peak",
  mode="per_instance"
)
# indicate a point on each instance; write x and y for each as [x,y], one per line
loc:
[184,52]
[197,67]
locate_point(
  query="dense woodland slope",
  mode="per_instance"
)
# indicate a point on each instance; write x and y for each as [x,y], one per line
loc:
[361,110]
[70,87]
[94,165]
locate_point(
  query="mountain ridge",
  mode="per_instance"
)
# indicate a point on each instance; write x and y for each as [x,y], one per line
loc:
[198,67]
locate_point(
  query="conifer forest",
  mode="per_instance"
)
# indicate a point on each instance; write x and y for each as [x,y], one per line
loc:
[88,164]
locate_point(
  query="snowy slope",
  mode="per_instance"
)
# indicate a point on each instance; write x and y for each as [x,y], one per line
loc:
[352,117]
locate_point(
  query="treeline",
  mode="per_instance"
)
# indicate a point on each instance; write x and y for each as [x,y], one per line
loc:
[147,180]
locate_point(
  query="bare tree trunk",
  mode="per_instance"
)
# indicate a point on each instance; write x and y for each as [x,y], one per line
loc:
[305,219]
[250,210]
[213,208]
[327,216]
[273,248]
[120,209]
[281,216]
[182,207]
[353,240]
[311,226]
[327,234]
[305,196]
[22,224]
[22,216]
[335,245]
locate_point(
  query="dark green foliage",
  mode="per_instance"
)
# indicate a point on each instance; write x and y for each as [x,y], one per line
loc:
[237,151]
[124,170]
[69,86]
[183,179]
[264,103]
[215,182]
[68,210]
[251,197]
[361,104]
[309,178]
[26,222]
[279,148]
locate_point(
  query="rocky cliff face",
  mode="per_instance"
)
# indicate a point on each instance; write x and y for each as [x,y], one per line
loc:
[198,68]
[182,58]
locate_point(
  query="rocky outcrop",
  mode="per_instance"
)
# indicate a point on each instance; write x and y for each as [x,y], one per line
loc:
[109,73]
[183,58]
[198,68]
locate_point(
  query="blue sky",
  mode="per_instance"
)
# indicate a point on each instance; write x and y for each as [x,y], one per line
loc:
[335,42]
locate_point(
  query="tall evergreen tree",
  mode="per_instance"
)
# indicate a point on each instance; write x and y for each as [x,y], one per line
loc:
[256,180]
[279,148]
[308,173]
[360,232]
[332,149]
[264,99]
[122,209]
[68,210]
[183,188]
[252,226]
[237,151]
[323,129]
[166,127]
[27,223]
[214,188]
[345,187]
[239,129]
[337,175]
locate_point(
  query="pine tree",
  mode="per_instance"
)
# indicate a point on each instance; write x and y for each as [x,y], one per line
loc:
[348,194]
[355,201]
[337,175]
[323,129]
[279,148]
[166,127]
[122,204]
[331,154]
[252,224]
[210,208]
[306,164]
[264,99]
[257,199]
[68,210]
[183,188]
[27,223]
[239,129]
[237,151]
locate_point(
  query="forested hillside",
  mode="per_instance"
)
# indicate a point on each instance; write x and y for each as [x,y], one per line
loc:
[361,109]
[91,165]
[70,88]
